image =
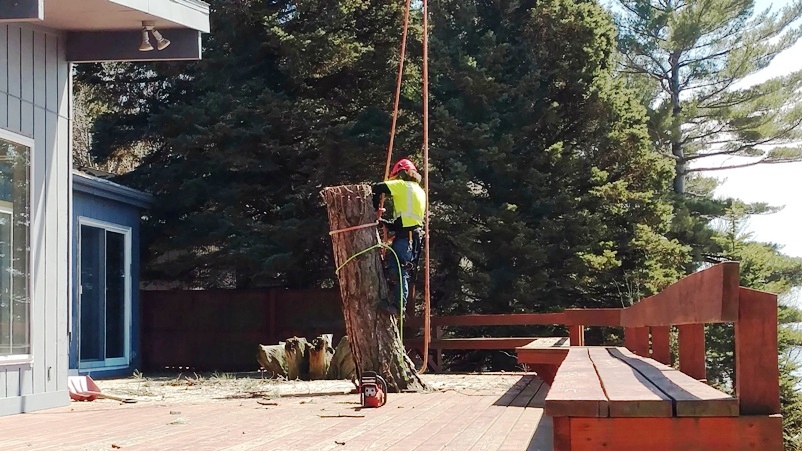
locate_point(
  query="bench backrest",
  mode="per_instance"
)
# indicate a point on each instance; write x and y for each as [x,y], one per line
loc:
[705,297]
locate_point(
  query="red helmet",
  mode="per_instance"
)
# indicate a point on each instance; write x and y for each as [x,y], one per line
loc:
[402,165]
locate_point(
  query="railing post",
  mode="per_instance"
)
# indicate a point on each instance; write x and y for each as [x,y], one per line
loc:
[636,339]
[438,353]
[757,371]
[661,350]
[692,350]
[577,335]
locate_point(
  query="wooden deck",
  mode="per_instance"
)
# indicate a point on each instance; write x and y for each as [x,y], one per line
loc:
[505,415]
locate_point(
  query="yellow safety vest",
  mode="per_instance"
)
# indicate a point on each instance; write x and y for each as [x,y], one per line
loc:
[409,202]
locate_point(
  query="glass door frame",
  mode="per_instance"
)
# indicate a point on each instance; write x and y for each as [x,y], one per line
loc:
[25,141]
[125,360]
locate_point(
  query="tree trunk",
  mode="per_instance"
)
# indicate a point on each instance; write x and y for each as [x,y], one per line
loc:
[372,332]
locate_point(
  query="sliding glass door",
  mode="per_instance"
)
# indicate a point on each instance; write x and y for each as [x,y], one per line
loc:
[104,294]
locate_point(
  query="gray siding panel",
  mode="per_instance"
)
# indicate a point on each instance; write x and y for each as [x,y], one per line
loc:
[34,93]
[26,65]
[63,229]
[51,253]
[51,73]
[13,381]
[14,33]
[14,109]
[3,109]
[39,68]
[34,402]
[3,60]
[37,238]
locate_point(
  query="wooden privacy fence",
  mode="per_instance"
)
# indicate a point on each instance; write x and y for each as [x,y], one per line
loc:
[219,330]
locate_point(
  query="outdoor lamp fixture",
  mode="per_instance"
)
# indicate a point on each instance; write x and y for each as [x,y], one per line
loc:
[145,46]
[161,42]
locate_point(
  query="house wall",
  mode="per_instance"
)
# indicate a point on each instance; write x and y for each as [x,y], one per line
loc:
[34,101]
[114,212]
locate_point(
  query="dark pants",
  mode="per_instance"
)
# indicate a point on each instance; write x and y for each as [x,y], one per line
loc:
[406,245]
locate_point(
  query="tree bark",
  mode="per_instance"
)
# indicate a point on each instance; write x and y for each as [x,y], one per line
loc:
[372,332]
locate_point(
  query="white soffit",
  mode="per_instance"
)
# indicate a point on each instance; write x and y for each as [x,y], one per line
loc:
[97,15]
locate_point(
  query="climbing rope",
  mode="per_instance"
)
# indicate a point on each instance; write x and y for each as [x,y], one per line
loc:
[348,229]
[425,42]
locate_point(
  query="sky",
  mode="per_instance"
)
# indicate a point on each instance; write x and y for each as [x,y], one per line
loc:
[775,184]
[778,185]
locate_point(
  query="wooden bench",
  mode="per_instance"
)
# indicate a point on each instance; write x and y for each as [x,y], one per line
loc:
[438,345]
[544,355]
[619,398]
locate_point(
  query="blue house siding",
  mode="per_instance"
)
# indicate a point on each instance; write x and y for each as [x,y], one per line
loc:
[102,202]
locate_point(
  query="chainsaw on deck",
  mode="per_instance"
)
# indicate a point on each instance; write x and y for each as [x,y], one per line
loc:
[372,390]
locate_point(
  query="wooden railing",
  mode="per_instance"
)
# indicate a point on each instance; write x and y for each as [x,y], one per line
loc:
[706,297]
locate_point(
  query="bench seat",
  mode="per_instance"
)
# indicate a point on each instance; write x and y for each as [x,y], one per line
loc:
[544,355]
[614,382]
[610,398]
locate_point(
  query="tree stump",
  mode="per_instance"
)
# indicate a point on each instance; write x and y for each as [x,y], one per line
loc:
[342,362]
[373,333]
[296,351]
[272,359]
[320,357]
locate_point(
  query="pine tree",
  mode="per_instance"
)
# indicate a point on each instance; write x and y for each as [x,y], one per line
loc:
[763,267]
[546,191]
[289,98]
[694,59]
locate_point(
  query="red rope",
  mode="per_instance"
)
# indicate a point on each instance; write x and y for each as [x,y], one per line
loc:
[426,303]
[397,90]
[400,77]
[426,293]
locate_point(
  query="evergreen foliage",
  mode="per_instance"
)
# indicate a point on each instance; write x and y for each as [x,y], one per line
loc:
[547,192]
[763,267]
[692,59]
[289,98]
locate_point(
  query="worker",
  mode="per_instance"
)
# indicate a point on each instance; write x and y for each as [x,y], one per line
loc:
[409,207]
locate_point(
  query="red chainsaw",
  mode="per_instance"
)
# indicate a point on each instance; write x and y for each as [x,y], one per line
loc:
[372,390]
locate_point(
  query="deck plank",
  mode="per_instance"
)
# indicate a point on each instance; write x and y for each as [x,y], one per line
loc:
[470,435]
[485,410]
[496,435]
[532,428]
[406,426]
[333,426]
[446,424]
[388,420]
[629,393]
